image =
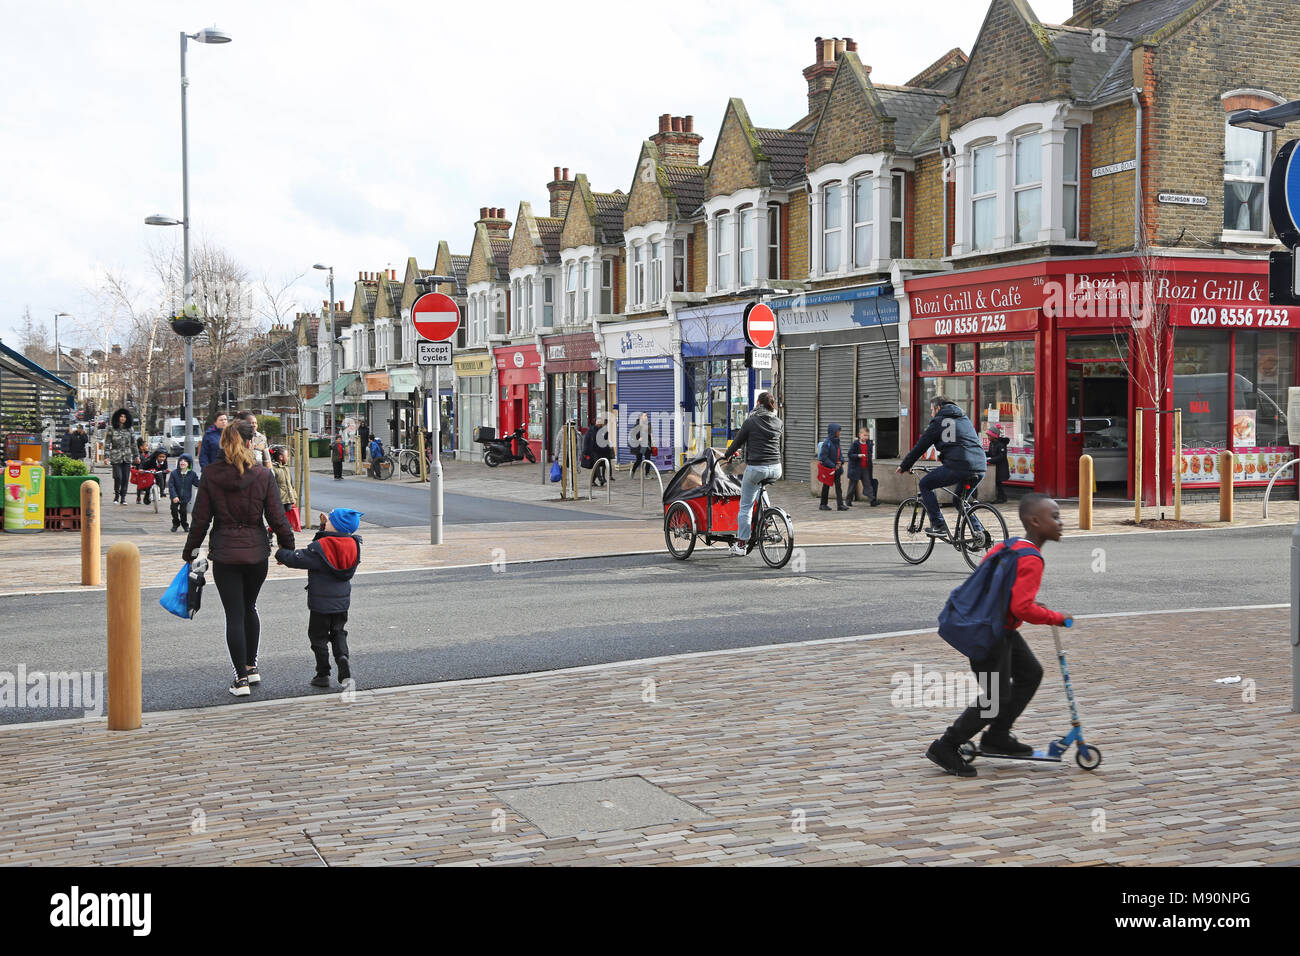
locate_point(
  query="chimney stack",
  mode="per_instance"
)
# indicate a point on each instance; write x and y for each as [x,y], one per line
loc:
[561,190]
[677,140]
[822,73]
[495,222]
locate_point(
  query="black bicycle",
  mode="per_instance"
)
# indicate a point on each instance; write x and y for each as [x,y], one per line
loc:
[973,535]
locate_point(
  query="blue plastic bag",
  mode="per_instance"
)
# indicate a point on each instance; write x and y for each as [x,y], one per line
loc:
[556,473]
[176,598]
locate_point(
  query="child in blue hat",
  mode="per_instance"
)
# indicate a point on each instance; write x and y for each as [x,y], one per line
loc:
[330,562]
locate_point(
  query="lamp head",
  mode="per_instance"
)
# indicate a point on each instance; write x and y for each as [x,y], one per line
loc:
[160,220]
[212,35]
[322,268]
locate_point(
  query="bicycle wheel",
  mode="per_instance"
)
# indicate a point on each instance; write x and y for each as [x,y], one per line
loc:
[383,468]
[909,531]
[973,544]
[679,530]
[410,463]
[775,538]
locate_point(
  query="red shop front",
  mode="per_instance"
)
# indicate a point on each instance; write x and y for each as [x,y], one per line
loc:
[519,379]
[1062,354]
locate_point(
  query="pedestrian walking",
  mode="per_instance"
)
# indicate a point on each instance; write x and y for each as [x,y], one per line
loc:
[859,469]
[119,446]
[235,497]
[284,481]
[181,485]
[760,438]
[210,447]
[338,455]
[997,457]
[364,434]
[830,467]
[77,443]
[638,441]
[1011,665]
[596,445]
[330,562]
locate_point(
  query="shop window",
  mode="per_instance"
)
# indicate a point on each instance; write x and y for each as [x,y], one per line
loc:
[1070,183]
[1008,402]
[1029,187]
[896,222]
[774,240]
[1006,357]
[963,357]
[1096,348]
[723,278]
[862,196]
[960,389]
[1265,369]
[832,214]
[934,358]
[984,197]
[1201,386]
[679,265]
[1245,155]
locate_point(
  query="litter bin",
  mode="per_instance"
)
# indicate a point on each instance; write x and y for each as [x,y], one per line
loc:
[24,497]
[319,448]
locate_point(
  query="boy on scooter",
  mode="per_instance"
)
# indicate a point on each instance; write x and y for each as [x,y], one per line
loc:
[1011,664]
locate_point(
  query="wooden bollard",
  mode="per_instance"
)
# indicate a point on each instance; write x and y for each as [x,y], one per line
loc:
[419,450]
[124,676]
[359,468]
[90,534]
[1085,493]
[1225,486]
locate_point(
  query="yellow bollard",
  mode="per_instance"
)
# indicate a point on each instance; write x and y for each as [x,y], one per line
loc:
[90,534]
[1085,493]
[358,459]
[124,677]
[1225,486]
[419,450]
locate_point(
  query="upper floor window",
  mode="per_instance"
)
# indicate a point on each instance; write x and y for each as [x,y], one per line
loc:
[1070,183]
[862,217]
[571,287]
[747,244]
[548,301]
[656,272]
[1245,155]
[532,313]
[723,273]
[897,182]
[586,288]
[1028,187]
[516,303]
[774,240]
[832,215]
[638,273]
[679,265]
[606,286]
[984,197]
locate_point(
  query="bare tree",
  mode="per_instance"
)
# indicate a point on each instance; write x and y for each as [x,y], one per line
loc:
[35,341]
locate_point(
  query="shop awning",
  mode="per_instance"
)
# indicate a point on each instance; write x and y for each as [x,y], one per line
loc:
[29,392]
[338,392]
[402,381]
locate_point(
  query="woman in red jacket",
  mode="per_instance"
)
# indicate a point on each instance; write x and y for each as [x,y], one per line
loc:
[234,496]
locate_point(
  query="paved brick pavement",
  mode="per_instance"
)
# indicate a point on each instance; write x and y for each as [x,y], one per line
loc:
[757,739]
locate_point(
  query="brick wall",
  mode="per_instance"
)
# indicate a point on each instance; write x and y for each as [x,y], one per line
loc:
[522,250]
[578,227]
[926,185]
[1111,138]
[479,270]
[733,166]
[645,203]
[699,264]
[848,127]
[796,237]
[1008,68]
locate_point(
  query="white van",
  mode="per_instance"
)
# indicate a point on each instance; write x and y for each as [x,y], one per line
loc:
[173,439]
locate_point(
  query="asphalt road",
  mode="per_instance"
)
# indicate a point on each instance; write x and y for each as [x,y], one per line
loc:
[416,627]
[393,505]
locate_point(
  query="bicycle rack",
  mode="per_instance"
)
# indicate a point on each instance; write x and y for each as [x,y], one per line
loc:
[1269,490]
[647,466]
[601,465]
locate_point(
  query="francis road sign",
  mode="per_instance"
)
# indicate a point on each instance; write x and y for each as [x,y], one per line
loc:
[436,317]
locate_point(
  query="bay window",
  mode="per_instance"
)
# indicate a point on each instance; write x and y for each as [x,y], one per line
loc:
[747,241]
[896,182]
[586,288]
[862,197]
[723,277]
[532,313]
[984,197]
[1245,154]
[773,240]
[571,312]
[1028,187]
[832,214]
[679,265]
[656,272]
[1070,183]
[638,274]
[606,286]
[548,301]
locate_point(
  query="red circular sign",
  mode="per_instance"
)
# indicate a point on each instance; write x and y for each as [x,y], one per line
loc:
[759,325]
[436,316]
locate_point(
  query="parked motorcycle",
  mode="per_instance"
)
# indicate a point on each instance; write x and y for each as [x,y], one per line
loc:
[512,447]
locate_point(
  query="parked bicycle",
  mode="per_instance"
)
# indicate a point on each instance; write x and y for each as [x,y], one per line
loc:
[408,460]
[973,535]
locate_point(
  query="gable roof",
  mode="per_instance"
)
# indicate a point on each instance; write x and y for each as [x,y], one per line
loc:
[914,111]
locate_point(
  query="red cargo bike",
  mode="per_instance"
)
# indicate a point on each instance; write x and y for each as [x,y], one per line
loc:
[703,500]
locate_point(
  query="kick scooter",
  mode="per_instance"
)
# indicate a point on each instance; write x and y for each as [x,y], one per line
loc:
[1087,757]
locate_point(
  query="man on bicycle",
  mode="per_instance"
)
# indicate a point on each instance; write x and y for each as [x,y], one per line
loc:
[961,457]
[761,438]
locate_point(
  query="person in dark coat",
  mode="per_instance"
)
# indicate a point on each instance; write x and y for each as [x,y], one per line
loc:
[831,457]
[860,455]
[330,562]
[364,434]
[338,455]
[234,498]
[961,458]
[210,447]
[77,443]
[638,441]
[181,485]
[119,445]
[156,464]
[596,444]
[997,456]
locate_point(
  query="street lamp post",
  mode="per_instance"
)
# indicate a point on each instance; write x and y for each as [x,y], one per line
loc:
[333,369]
[210,35]
[57,316]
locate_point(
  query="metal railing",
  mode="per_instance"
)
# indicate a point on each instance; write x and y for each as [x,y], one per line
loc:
[647,465]
[601,466]
[1269,490]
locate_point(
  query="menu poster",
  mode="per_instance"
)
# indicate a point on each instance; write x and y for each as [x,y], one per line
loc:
[1200,466]
[1243,427]
[1020,462]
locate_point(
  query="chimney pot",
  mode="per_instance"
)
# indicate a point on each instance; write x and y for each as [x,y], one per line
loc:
[664,122]
[482,212]
[840,47]
[828,51]
[677,124]
[557,174]
[688,124]
[852,45]
[566,174]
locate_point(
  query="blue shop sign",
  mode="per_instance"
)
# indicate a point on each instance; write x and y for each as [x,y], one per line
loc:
[837,311]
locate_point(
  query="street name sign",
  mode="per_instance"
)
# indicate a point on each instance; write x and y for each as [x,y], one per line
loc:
[436,316]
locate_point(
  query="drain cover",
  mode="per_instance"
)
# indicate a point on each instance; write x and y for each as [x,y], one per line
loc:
[623,803]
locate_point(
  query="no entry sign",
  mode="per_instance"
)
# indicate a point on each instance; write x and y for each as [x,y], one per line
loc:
[436,317]
[759,325]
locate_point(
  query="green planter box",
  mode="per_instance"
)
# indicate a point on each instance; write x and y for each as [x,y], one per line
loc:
[320,448]
[65,492]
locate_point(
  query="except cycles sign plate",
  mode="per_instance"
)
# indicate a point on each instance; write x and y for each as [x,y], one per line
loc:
[432,353]
[436,316]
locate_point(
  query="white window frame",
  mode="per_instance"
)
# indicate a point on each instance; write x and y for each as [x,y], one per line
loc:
[863,225]
[724,269]
[1261,180]
[532,310]
[638,274]
[897,220]
[548,301]
[606,285]
[746,216]
[989,196]
[772,241]
[679,255]
[571,292]
[1075,207]
[832,236]
[656,271]
[1029,187]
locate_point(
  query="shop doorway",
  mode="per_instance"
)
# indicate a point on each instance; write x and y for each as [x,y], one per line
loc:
[1098,402]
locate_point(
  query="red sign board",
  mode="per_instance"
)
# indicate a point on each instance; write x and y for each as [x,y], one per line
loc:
[759,325]
[436,317]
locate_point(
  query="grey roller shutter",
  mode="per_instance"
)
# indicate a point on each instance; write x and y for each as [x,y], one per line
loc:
[835,390]
[649,391]
[799,410]
[878,375]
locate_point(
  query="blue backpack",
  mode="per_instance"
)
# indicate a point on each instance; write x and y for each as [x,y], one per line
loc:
[974,619]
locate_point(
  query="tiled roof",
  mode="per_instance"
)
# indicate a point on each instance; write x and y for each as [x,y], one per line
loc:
[1131,22]
[549,229]
[1146,17]
[688,185]
[914,112]
[460,269]
[788,151]
[501,254]
[1089,67]
[609,216]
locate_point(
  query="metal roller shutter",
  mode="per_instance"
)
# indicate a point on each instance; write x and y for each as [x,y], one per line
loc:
[835,390]
[647,391]
[799,408]
[878,375]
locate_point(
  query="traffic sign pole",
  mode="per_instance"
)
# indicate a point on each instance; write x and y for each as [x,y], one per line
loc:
[436,317]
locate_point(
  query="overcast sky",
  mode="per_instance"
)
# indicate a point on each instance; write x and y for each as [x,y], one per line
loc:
[361,134]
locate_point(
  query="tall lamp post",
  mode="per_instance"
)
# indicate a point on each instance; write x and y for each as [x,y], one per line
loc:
[188,324]
[57,316]
[333,368]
